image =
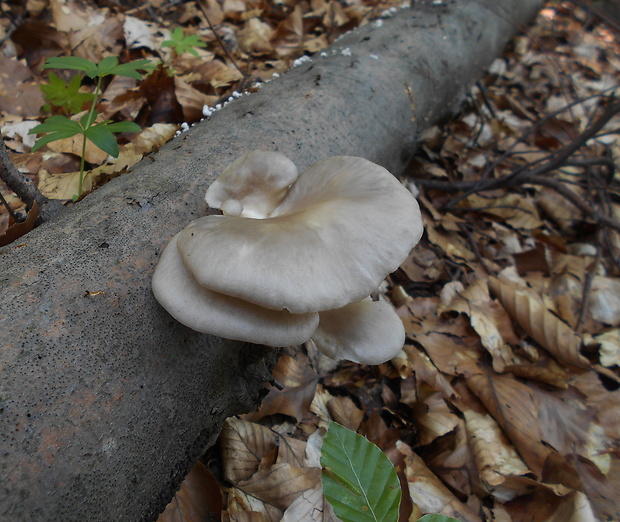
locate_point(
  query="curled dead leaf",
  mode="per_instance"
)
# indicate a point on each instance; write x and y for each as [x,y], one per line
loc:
[198,500]
[513,405]
[243,445]
[17,230]
[540,324]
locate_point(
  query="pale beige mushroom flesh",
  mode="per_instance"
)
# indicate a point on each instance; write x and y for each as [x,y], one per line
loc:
[294,247]
[218,314]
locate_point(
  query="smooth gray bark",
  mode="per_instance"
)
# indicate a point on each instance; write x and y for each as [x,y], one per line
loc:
[105,401]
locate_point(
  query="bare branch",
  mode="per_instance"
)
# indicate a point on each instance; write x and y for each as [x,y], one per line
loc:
[24,187]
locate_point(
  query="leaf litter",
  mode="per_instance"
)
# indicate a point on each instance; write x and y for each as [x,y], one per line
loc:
[503,404]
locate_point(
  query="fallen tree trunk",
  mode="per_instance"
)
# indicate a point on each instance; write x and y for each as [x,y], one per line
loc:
[106,401]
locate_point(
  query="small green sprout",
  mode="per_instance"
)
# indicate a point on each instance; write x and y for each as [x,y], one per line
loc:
[100,134]
[66,95]
[181,43]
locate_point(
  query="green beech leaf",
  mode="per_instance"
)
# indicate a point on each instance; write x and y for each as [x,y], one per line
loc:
[437,518]
[359,481]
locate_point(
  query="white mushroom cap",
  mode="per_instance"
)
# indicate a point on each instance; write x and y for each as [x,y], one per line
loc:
[343,226]
[210,312]
[367,332]
[252,185]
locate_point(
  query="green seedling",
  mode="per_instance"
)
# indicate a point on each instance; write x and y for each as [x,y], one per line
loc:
[180,43]
[65,95]
[100,134]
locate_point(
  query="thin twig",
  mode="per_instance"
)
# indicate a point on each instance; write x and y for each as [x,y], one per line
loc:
[24,187]
[556,160]
[8,208]
[587,287]
[534,175]
[220,41]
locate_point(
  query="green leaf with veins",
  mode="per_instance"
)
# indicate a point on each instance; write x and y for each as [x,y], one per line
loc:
[66,95]
[181,43]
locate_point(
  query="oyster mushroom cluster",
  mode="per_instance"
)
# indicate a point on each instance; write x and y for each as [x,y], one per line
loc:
[294,256]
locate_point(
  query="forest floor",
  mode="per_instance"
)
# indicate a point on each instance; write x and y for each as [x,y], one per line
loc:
[504,403]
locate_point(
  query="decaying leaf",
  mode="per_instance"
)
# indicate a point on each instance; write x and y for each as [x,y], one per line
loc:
[295,397]
[64,186]
[540,324]
[198,500]
[515,408]
[428,492]
[488,319]
[17,230]
[243,445]
[609,352]
[494,456]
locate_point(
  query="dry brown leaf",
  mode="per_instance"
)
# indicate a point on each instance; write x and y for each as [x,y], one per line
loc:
[64,186]
[191,100]
[558,208]
[243,507]
[575,507]
[604,300]
[288,38]
[243,445]
[494,456]
[513,405]
[73,145]
[291,451]
[310,506]
[218,74]
[609,351]
[449,342]
[280,484]
[423,265]
[546,371]
[295,397]
[427,377]
[319,404]
[19,96]
[540,324]
[17,230]
[428,492]
[198,500]
[520,212]
[487,317]
[255,37]
[451,459]
[344,411]
[433,418]
[601,490]
[451,243]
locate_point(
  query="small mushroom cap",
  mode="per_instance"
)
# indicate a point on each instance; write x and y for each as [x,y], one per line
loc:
[255,182]
[217,314]
[367,332]
[343,226]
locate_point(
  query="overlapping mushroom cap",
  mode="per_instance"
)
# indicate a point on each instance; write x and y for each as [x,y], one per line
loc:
[279,256]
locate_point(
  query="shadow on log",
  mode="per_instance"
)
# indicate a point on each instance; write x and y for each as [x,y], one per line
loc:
[105,400]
